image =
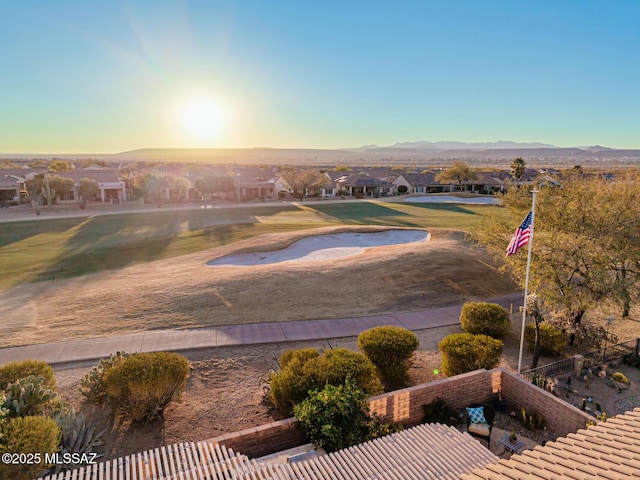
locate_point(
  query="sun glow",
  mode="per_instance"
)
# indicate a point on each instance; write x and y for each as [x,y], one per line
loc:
[203,119]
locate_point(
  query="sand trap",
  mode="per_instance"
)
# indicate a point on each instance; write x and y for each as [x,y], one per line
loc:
[452,199]
[324,247]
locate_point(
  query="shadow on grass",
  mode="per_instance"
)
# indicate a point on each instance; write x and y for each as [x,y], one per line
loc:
[113,242]
[367,213]
[12,232]
[446,207]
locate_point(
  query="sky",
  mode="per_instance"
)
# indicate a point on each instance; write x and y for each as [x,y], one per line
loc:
[110,76]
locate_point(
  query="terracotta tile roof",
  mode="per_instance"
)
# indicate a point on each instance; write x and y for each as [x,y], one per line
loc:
[608,450]
[430,451]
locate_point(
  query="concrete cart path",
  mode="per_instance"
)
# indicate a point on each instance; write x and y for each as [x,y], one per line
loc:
[92,349]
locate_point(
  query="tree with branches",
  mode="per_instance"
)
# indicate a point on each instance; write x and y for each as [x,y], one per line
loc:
[457,173]
[586,247]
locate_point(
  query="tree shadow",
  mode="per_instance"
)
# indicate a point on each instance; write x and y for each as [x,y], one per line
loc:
[366,213]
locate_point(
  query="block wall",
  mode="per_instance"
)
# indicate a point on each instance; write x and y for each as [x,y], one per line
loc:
[560,417]
[405,406]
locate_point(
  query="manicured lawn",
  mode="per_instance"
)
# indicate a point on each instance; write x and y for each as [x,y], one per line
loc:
[32,251]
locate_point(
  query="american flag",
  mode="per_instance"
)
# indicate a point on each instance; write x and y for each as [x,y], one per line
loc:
[521,236]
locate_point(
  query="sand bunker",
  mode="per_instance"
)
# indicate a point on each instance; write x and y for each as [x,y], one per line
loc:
[452,199]
[324,247]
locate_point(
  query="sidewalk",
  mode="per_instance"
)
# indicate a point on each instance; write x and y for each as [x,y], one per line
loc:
[85,351]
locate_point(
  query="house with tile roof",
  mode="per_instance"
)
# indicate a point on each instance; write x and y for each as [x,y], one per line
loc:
[608,449]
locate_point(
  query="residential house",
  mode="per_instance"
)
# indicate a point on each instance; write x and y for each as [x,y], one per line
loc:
[254,182]
[110,185]
[409,183]
[608,450]
[361,183]
[14,180]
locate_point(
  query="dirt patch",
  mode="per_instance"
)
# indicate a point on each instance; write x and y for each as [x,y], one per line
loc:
[226,392]
[183,292]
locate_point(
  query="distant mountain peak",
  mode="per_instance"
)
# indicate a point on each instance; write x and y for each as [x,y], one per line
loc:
[454,145]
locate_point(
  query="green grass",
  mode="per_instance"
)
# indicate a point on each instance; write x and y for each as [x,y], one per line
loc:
[33,251]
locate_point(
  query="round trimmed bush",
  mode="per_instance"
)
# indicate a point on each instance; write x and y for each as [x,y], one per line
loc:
[143,384]
[303,371]
[36,434]
[391,350]
[485,318]
[341,362]
[465,352]
[552,341]
[298,355]
[13,371]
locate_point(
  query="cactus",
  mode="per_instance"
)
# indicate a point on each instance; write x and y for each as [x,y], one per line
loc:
[29,396]
[78,435]
[532,421]
[583,404]
[92,385]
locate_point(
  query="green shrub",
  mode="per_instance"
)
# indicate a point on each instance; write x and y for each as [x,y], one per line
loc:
[92,386]
[305,371]
[29,396]
[28,435]
[391,350]
[485,318]
[552,340]
[464,352]
[300,355]
[143,384]
[342,362]
[14,371]
[337,417]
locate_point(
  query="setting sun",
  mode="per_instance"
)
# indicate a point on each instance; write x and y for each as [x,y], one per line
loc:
[203,119]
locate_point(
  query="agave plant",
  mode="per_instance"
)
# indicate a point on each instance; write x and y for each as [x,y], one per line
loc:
[79,436]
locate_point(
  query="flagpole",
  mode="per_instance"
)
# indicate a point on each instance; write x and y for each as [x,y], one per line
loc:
[526,281]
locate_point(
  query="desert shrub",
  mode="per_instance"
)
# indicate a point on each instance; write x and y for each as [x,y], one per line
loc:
[464,352]
[92,386]
[300,355]
[306,371]
[391,350]
[14,371]
[485,318]
[552,340]
[337,417]
[29,396]
[342,362]
[143,384]
[620,377]
[32,434]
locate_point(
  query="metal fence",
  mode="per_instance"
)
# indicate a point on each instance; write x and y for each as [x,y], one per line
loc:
[611,352]
[591,359]
[550,369]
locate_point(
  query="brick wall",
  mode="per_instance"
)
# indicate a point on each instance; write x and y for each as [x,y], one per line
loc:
[265,439]
[405,406]
[560,417]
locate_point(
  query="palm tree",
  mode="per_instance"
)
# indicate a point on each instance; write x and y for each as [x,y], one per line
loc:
[518,168]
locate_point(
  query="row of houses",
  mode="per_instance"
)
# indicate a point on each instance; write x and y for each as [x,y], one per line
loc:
[267,182]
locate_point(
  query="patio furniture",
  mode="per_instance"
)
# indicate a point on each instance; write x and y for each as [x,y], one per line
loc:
[480,421]
[509,446]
